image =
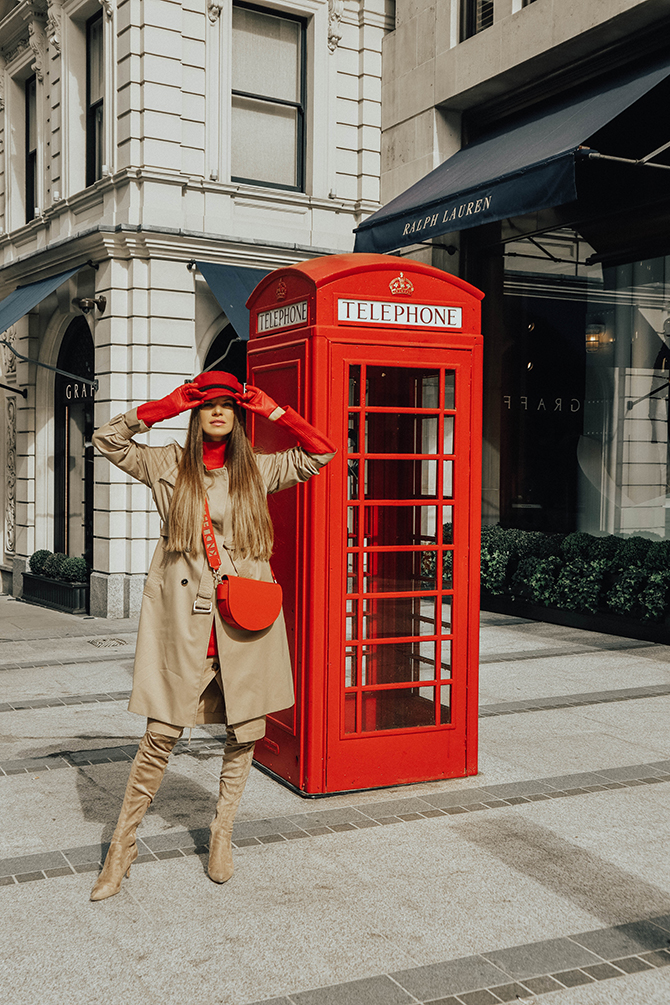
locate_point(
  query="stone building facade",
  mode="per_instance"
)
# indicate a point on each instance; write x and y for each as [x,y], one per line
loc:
[477,97]
[138,137]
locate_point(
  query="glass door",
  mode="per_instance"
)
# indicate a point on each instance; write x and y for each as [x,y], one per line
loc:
[405,551]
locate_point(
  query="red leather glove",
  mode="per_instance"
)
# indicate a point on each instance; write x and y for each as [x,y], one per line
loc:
[309,438]
[257,401]
[180,400]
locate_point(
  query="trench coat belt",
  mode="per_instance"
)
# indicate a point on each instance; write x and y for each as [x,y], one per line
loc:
[203,601]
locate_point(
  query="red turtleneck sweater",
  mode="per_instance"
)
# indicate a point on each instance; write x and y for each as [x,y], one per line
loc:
[214,456]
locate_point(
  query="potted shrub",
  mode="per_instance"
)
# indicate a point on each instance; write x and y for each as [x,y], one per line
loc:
[57,581]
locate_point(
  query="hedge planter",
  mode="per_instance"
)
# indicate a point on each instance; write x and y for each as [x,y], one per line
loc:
[607,624]
[56,594]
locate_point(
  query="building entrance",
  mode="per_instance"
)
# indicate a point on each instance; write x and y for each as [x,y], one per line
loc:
[73,450]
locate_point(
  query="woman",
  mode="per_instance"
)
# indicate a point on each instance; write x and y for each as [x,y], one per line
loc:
[191,667]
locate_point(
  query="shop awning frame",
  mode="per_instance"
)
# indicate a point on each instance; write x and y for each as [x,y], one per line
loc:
[529,166]
[22,300]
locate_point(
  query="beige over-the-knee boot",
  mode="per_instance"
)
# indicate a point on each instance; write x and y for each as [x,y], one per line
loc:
[237,758]
[146,775]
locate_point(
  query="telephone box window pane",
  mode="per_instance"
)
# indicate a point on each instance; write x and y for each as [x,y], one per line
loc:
[260,126]
[354,386]
[390,433]
[352,572]
[397,663]
[401,387]
[354,442]
[448,570]
[398,708]
[353,467]
[390,617]
[448,525]
[352,526]
[446,614]
[444,649]
[447,479]
[350,675]
[445,705]
[450,389]
[400,479]
[351,632]
[400,572]
[398,526]
[350,713]
[448,434]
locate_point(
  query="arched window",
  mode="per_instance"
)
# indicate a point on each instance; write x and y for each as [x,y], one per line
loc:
[73,450]
[234,354]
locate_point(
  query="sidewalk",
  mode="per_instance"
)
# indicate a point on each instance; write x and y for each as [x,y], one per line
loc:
[546,877]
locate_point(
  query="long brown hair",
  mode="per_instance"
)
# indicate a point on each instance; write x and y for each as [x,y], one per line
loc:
[253,534]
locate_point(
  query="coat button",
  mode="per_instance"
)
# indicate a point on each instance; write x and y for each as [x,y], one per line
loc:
[184,582]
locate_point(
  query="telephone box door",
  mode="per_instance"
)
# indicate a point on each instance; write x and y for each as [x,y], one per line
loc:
[401,643]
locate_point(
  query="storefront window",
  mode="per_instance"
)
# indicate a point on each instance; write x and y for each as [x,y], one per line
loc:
[584,391]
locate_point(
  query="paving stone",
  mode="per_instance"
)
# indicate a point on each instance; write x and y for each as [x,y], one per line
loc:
[65,870]
[7,881]
[30,863]
[510,992]
[453,977]
[624,940]
[479,998]
[602,971]
[632,965]
[658,959]
[29,877]
[573,978]
[541,985]
[540,958]
[369,991]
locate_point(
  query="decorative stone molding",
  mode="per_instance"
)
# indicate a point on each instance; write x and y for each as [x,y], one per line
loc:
[10,477]
[107,6]
[335,15]
[8,358]
[20,46]
[214,8]
[38,43]
[53,28]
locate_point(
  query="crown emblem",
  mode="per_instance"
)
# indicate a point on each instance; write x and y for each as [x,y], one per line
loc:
[280,292]
[401,286]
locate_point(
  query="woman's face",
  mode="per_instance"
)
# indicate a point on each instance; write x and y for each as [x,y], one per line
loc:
[217,418]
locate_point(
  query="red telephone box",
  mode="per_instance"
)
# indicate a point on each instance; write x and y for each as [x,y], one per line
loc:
[379,554]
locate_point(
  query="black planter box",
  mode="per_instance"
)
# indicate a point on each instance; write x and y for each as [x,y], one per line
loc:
[56,594]
[608,624]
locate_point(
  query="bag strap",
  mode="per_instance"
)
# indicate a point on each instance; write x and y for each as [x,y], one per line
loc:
[212,549]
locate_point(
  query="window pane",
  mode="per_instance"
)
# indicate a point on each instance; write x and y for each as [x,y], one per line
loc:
[266,55]
[95,63]
[400,525]
[397,663]
[402,387]
[259,127]
[399,572]
[31,114]
[397,479]
[399,708]
[400,434]
[391,617]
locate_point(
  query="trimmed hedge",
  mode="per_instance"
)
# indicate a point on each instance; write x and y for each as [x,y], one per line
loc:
[629,576]
[58,566]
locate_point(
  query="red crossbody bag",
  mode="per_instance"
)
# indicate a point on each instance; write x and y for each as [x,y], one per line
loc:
[251,604]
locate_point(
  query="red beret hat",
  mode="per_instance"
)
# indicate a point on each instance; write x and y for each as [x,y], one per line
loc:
[218,384]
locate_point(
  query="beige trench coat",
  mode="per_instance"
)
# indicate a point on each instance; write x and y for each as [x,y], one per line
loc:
[172,641]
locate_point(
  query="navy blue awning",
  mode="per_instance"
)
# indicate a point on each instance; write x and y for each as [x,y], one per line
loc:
[24,298]
[232,286]
[526,167]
